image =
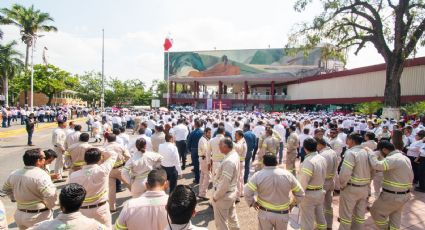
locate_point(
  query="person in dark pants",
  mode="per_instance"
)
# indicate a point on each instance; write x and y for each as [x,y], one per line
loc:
[421,170]
[192,144]
[250,143]
[170,161]
[29,126]
[180,133]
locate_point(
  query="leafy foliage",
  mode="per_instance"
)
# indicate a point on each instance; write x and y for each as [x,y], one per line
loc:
[10,64]
[417,108]
[51,80]
[368,108]
[394,28]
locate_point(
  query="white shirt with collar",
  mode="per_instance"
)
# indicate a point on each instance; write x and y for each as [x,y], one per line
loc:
[180,132]
[170,156]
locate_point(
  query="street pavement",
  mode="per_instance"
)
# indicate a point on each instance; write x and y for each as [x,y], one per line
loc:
[13,145]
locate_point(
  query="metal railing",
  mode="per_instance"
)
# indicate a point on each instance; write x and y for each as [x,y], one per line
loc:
[227,96]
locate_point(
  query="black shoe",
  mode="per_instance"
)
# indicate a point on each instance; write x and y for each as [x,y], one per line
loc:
[183,167]
[418,189]
[337,192]
[121,190]
[195,182]
[202,198]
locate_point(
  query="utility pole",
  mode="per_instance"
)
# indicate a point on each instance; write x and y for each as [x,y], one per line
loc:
[102,97]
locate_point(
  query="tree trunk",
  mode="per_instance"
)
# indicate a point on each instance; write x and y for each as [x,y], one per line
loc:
[6,90]
[27,51]
[49,102]
[392,94]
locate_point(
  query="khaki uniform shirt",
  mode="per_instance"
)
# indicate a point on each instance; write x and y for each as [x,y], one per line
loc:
[331,162]
[58,138]
[203,148]
[157,139]
[123,154]
[241,148]
[272,186]
[75,155]
[398,173]
[355,168]
[72,139]
[95,179]
[147,211]
[293,142]
[32,188]
[336,145]
[139,165]
[227,177]
[313,172]
[216,155]
[71,221]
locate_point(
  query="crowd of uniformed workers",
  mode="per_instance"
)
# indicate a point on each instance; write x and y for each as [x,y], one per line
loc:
[272,161]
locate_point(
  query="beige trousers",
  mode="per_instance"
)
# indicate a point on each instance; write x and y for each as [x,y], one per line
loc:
[311,210]
[102,214]
[352,207]
[240,182]
[270,221]
[291,156]
[59,162]
[138,187]
[225,216]
[26,220]
[205,177]
[115,174]
[386,210]
[329,188]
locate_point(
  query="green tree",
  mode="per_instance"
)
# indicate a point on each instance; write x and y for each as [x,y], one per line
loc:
[119,93]
[31,22]
[368,108]
[158,89]
[417,108]
[139,96]
[395,28]
[90,86]
[51,80]
[10,65]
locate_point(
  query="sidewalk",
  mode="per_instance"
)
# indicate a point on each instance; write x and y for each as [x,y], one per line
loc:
[20,129]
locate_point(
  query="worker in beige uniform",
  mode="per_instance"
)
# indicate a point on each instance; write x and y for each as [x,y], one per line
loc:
[149,210]
[312,179]
[94,177]
[74,157]
[336,145]
[73,137]
[354,178]
[70,199]
[224,195]
[241,148]
[158,137]
[123,156]
[216,155]
[377,175]
[272,187]
[204,162]
[398,176]
[331,170]
[3,219]
[32,189]
[58,142]
[137,168]
[292,150]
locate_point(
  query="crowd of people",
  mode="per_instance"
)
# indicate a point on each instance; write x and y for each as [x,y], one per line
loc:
[272,161]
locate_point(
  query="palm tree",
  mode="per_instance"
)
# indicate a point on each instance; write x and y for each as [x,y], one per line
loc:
[1,22]
[31,22]
[10,65]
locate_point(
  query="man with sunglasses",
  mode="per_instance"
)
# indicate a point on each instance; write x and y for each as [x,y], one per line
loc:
[32,189]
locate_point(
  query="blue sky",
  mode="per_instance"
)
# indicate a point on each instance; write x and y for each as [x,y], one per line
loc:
[135,31]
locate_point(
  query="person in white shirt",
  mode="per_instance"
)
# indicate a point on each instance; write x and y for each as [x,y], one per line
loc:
[413,152]
[124,137]
[180,132]
[303,136]
[281,130]
[132,146]
[116,122]
[170,161]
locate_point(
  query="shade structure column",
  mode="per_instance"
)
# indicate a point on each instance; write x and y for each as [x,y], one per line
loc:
[245,95]
[220,89]
[272,93]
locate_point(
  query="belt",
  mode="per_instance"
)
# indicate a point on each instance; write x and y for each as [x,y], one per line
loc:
[117,167]
[277,212]
[34,211]
[93,205]
[357,185]
[314,189]
[389,191]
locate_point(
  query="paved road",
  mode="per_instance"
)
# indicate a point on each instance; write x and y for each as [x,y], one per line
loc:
[12,148]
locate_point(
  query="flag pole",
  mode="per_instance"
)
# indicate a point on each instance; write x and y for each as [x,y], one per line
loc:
[32,75]
[102,97]
[168,79]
